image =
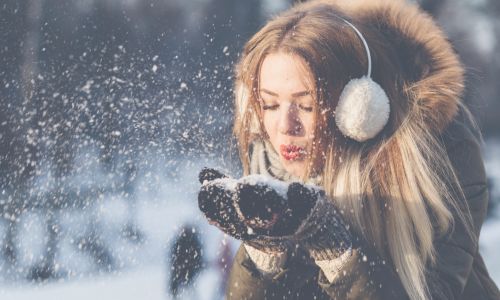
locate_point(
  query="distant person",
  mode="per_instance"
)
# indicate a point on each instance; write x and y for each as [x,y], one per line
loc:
[363,172]
[186,260]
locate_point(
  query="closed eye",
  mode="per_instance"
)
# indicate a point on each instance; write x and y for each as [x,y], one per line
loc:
[270,107]
[306,108]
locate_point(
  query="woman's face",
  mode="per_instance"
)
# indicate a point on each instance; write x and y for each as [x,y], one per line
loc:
[288,110]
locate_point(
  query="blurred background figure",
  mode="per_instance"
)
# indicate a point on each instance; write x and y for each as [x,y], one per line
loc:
[186,260]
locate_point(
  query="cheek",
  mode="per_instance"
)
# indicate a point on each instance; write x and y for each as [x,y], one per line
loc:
[271,128]
[269,124]
[309,126]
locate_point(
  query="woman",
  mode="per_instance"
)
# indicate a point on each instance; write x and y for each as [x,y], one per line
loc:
[364,178]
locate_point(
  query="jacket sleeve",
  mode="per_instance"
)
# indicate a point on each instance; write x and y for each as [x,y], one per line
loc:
[368,277]
[457,249]
[456,252]
[364,275]
[295,281]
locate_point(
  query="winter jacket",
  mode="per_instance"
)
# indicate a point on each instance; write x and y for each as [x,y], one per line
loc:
[459,272]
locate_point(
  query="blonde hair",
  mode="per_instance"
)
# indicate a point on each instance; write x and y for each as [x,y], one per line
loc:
[398,190]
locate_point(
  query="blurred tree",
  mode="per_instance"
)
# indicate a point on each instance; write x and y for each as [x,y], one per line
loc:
[59,197]
[10,59]
[24,148]
[131,229]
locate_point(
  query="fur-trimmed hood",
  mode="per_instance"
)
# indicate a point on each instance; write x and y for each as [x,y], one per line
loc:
[432,70]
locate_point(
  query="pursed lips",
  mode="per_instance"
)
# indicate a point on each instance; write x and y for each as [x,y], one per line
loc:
[292,152]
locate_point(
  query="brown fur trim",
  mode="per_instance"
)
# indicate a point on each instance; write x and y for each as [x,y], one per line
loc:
[433,75]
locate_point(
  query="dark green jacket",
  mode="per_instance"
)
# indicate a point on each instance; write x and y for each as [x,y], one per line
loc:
[460,272]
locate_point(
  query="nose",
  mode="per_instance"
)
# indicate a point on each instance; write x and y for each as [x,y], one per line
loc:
[290,123]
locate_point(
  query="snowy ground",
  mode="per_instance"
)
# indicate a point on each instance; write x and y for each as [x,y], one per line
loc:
[146,279]
[160,219]
[144,283]
[148,282]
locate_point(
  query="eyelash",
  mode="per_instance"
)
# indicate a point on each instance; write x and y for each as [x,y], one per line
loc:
[275,106]
[270,107]
[306,108]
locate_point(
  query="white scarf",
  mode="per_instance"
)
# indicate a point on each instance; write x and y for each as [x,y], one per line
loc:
[265,160]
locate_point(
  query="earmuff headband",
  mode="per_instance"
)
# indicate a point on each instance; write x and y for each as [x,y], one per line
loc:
[363,107]
[369,74]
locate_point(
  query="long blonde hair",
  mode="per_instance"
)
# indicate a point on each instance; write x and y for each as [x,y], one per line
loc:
[398,190]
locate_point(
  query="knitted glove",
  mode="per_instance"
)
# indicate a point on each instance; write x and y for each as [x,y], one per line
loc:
[271,215]
[309,219]
[220,198]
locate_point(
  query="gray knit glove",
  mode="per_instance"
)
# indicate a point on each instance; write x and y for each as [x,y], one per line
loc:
[220,200]
[272,215]
[315,223]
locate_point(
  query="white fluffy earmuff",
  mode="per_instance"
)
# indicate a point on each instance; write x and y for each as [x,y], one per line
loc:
[363,108]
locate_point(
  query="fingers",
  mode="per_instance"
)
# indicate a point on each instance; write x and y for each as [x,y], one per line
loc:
[261,206]
[210,198]
[301,199]
[217,203]
[209,174]
[254,205]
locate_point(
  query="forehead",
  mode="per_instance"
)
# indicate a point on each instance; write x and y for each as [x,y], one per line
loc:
[285,72]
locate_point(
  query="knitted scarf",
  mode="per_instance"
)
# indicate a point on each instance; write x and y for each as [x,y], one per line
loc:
[265,160]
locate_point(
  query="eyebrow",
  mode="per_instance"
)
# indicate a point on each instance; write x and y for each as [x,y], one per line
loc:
[294,95]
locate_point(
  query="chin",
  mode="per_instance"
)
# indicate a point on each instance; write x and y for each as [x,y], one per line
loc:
[295,168]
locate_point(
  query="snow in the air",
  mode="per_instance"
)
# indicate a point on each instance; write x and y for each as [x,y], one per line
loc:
[108,111]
